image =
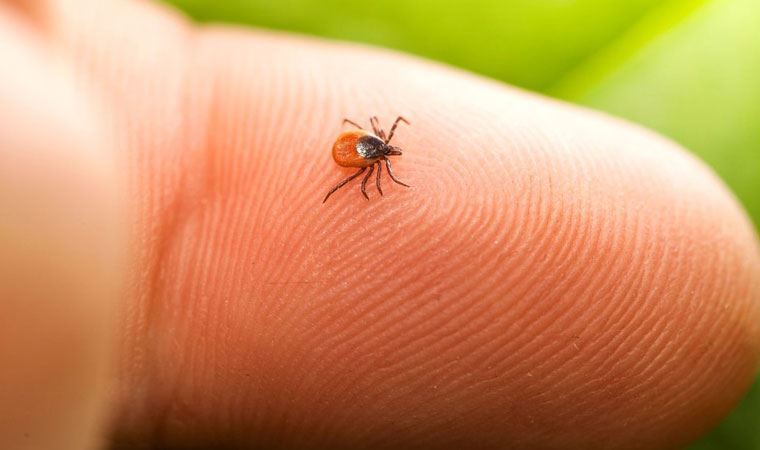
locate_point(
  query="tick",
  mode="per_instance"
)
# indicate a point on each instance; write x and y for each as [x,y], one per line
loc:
[362,149]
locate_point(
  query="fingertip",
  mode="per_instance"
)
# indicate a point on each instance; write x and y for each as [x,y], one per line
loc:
[556,279]
[559,258]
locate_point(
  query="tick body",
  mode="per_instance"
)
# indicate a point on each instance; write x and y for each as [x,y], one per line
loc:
[365,150]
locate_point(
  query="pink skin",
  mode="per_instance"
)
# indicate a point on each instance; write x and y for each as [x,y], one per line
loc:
[555,278]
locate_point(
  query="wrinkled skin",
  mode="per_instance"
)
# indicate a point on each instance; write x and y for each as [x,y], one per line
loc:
[555,278]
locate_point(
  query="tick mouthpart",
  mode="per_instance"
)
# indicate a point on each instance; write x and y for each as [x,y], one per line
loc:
[394,151]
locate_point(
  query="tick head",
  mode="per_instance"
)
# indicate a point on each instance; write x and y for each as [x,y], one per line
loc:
[391,150]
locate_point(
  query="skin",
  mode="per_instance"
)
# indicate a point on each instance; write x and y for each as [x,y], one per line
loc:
[555,278]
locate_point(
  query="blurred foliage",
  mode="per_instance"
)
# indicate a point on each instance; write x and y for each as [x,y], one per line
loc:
[515,40]
[689,69]
[693,77]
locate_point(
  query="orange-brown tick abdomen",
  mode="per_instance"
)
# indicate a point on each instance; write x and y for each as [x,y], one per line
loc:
[344,150]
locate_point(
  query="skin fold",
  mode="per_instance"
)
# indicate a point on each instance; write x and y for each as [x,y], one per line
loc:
[555,278]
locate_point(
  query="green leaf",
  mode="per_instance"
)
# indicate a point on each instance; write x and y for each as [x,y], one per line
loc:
[694,78]
[526,42]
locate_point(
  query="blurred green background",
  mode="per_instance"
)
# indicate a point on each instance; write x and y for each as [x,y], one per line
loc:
[689,69]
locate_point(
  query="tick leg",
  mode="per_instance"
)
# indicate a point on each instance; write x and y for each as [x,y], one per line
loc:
[364,181]
[343,183]
[345,121]
[393,128]
[390,172]
[377,180]
[376,127]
